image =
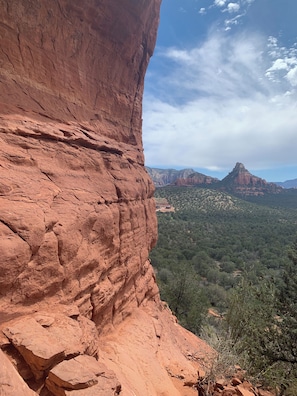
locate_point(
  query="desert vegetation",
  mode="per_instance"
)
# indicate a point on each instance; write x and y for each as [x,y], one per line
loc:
[238,258]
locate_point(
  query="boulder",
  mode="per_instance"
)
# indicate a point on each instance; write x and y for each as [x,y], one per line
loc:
[242,391]
[38,347]
[80,373]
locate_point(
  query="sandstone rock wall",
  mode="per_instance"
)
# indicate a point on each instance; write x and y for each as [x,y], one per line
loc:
[77,217]
[83,62]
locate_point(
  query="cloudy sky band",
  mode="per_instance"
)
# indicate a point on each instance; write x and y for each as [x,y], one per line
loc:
[227,98]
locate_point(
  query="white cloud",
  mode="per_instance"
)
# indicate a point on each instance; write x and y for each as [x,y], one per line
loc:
[179,55]
[284,63]
[217,135]
[279,64]
[292,76]
[217,106]
[233,7]
[220,3]
[202,11]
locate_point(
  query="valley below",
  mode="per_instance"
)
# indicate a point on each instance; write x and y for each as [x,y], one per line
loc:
[223,261]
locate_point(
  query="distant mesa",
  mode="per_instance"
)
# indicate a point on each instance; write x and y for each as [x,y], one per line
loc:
[184,177]
[238,181]
[195,179]
[164,177]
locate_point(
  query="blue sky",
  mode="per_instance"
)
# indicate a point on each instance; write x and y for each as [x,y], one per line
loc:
[221,88]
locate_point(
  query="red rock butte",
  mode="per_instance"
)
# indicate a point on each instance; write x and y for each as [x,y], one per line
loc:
[77,214]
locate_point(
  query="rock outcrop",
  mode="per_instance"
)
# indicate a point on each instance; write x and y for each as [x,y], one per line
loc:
[241,181]
[163,177]
[196,179]
[77,214]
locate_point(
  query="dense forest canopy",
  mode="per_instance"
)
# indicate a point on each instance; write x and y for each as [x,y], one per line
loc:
[220,237]
[238,257]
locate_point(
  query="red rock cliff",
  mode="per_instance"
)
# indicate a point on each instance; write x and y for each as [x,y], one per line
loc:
[76,205]
[77,217]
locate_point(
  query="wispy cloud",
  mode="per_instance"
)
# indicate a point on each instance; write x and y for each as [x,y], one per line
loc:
[237,8]
[231,99]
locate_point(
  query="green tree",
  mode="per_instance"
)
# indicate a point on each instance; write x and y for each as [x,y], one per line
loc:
[262,322]
[249,322]
[287,310]
[282,349]
[181,289]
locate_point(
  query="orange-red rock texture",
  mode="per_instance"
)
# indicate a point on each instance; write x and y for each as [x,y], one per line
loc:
[77,215]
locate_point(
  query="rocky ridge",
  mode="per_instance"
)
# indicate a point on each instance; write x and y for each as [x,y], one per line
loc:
[239,181]
[195,179]
[288,183]
[77,214]
[162,177]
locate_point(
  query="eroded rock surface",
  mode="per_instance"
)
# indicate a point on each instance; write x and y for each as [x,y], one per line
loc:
[76,210]
[77,214]
[153,355]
